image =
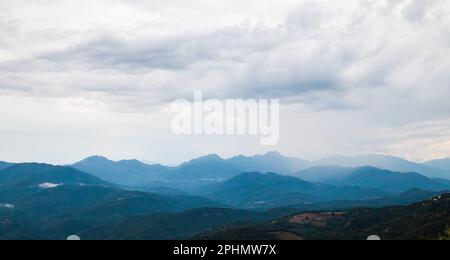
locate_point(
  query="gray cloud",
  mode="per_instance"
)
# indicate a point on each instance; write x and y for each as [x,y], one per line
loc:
[314,50]
[242,61]
[416,10]
[382,64]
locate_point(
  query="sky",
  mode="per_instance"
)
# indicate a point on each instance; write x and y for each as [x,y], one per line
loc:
[81,78]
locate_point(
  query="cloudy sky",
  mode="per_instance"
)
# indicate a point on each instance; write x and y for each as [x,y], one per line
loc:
[80,77]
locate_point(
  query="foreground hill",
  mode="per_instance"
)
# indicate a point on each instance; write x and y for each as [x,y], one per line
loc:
[177,225]
[213,168]
[189,224]
[371,177]
[134,173]
[16,226]
[402,199]
[424,220]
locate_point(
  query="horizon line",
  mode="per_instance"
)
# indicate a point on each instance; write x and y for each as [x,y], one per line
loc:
[147,162]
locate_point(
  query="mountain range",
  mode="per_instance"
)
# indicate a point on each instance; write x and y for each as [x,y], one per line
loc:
[125,172]
[41,201]
[213,168]
[322,173]
[393,182]
[210,168]
[257,190]
[269,162]
[43,190]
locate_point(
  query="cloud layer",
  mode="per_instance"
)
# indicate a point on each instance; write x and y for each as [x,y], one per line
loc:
[373,64]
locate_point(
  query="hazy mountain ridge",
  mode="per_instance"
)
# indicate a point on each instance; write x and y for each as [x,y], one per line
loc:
[269,162]
[175,225]
[213,168]
[193,223]
[443,164]
[394,182]
[384,162]
[402,199]
[125,172]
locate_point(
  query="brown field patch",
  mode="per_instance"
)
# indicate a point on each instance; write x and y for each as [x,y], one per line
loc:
[319,219]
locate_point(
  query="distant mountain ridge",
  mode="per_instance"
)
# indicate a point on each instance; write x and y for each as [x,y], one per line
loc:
[125,172]
[35,174]
[320,174]
[443,164]
[395,182]
[213,168]
[385,162]
[269,162]
[210,168]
